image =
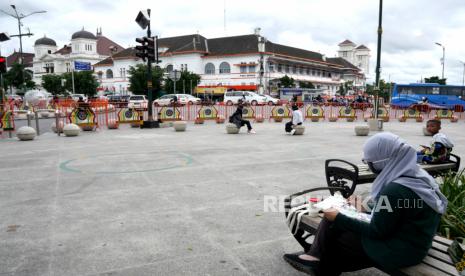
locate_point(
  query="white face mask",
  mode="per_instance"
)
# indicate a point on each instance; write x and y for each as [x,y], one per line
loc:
[376,166]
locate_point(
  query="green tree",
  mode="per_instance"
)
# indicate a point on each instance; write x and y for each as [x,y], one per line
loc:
[52,83]
[384,89]
[84,83]
[19,77]
[184,83]
[307,84]
[286,82]
[138,79]
[435,79]
[341,91]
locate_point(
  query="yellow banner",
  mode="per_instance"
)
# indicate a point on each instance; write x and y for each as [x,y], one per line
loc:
[210,90]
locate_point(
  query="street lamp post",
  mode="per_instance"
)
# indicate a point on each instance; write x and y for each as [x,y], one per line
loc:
[463,77]
[378,58]
[20,35]
[19,17]
[261,50]
[443,60]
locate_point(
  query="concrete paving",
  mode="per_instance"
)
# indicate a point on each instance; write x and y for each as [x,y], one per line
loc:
[160,202]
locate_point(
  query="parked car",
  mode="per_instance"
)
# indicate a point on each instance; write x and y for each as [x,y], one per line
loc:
[233,97]
[182,99]
[270,100]
[77,96]
[188,99]
[137,101]
[14,97]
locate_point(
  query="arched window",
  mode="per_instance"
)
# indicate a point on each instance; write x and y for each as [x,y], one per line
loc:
[209,69]
[225,68]
[109,74]
[169,68]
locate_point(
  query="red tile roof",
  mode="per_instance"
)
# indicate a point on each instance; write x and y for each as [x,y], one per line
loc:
[362,47]
[103,47]
[346,42]
[64,51]
[104,44]
[14,58]
[129,53]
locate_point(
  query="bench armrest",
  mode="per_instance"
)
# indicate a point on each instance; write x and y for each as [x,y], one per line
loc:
[346,177]
[456,161]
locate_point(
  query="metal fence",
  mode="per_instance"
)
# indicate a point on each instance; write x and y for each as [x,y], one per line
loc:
[100,113]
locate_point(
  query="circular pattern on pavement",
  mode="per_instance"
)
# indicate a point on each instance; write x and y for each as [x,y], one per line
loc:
[122,163]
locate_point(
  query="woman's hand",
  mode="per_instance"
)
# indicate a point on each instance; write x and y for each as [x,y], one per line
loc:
[330,214]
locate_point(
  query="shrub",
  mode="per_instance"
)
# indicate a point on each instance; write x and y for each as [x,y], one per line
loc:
[453,221]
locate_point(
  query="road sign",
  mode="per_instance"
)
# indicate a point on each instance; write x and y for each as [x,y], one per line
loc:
[175,75]
[143,19]
[84,66]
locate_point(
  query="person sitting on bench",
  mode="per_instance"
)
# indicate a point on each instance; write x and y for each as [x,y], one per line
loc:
[297,120]
[405,218]
[236,118]
[441,146]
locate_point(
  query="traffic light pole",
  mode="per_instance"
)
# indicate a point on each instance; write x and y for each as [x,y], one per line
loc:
[149,77]
[148,50]
[150,123]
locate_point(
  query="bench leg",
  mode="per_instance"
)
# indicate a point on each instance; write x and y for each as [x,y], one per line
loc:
[301,236]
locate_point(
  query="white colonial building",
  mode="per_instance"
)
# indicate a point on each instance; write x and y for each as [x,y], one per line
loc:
[357,55]
[84,47]
[234,63]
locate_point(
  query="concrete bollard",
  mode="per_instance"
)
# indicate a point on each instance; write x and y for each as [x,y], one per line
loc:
[71,130]
[375,124]
[56,129]
[26,133]
[362,130]
[180,126]
[232,129]
[299,130]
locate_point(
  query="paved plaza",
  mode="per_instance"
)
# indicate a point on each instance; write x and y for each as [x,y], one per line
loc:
[159,202]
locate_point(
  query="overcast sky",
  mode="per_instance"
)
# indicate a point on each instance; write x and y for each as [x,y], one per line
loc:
[411,27]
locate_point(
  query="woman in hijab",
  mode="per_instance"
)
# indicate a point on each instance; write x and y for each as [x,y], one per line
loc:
[407,211]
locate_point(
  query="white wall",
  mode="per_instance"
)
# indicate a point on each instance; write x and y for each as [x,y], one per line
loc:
[192,60]
[235,77]
[41,50]
[120,81]
[79,46]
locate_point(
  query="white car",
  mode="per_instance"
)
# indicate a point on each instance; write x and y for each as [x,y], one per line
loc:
[77,96]
[182,99]
[188,99]
[270,100]
[137,101]
[233,97]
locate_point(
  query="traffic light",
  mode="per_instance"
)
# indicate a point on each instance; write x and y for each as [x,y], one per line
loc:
[141,50]
[2,64]
[152,49]
[147,48]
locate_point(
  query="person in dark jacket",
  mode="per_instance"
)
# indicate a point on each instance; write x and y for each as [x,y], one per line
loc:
[236,118]
[408,208]
[174,100]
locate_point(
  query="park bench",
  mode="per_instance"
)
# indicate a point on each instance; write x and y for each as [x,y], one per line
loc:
[348,176]
[345,178]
